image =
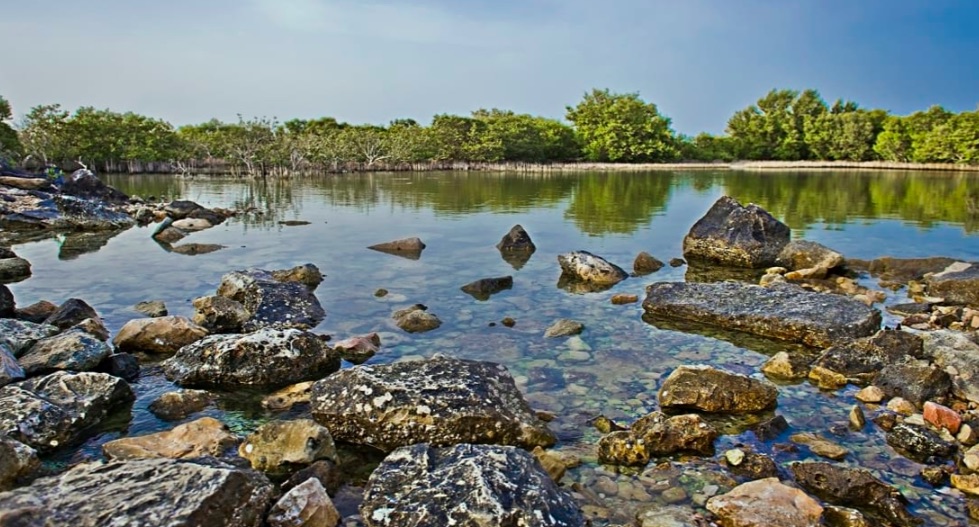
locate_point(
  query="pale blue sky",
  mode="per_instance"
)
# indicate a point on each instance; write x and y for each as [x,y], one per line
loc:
[376,60]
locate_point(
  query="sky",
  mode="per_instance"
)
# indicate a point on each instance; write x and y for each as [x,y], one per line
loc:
[371,61]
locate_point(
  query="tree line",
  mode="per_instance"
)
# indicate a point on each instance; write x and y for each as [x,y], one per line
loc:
[784,125]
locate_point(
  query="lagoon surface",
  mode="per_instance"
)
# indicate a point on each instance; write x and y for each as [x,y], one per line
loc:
[613,368]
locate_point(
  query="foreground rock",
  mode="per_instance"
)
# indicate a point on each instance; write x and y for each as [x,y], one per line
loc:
[734,235]
[657,435]
[10,369]
[14,270]
[358,350]
[265,358]
[466,486]
[862,359]
[766,503]
[71,350]
[282,446]
[955,351]
[516,247]
[854,487]
[20,336]
[781,311]
[61,211]
[442,401]
[72,312]
[17,460]
[218,314]
[158,335]
[144,492]
[52,411]
[305,505]
[484,288]
[583,266]
[957,284]
[271,302]
[709,389]
[204,437]
[6,302]
[410,248]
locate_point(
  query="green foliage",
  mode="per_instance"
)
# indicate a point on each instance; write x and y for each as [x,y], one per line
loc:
[706,148]
[775,127]
[9,142]
[622,128]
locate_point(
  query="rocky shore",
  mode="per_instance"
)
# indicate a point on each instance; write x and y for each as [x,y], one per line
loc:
[454,441]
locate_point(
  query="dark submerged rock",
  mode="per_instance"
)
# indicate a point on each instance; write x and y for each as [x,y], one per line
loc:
[781,311]
[416,319]
[734,235]
[920,443]
[854,487]
[122,365]
[441,401]
[173,406]
[265,358]
[145,492]
[516,247]
[465,485]
[484,288]
[6,302]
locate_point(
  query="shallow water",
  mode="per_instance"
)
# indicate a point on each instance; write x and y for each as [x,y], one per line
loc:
[613,368]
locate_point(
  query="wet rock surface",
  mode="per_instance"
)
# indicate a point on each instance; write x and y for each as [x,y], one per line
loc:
[204,437]
[862,359]
[176,405]
[270,302]
[807,259]
[72,350]
[846,486]
[709,389]
[583,266]
[305,505]
[657,435]
[145,492]
[441,401]
[465,485]
[564,328]
[782,311]
[915,381]
[165,334]
[17,461]
[484,288]
[14,270]
[7,305]
[410,248]
[416,319]
[646,263]
[55,210]
[282,446]
[10,369]
[920,443]
[358,350]
[265,358]
[958,352]
[20,336]
[51,411]
[73,311]
[218,314]
[735,235]
[957,284]
[766,502]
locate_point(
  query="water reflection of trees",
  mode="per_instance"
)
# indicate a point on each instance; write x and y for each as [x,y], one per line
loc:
[801,199]
[618,203]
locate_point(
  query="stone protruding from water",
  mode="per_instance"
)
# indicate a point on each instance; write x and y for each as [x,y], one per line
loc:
[49,412]
[144,492]
[708,389]
[808,260]
[780,311]
[265,358]
[516,247]
[281,446]
[410,248]
[203,437]
[583,266]
[466,485]
[847,486]
[766,502]
[734,235]
[657,435]
[957,284]
[484,288]
[442,400]
[165,334]
[283,300]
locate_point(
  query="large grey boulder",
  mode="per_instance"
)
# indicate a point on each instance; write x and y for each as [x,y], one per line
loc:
[20,336]
[466,486]
[10,369]
[165,334]
[709,389]
[305,505]
[51,411]
[266,358]
[72,350]
[271,302]
[17,460]
[957,284]
[442,401]
[145,492]
[955,351]
[780,311]
[735,235]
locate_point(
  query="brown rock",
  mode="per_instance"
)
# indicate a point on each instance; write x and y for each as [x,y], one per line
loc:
[357,350]
[870,394]
[289,396]
[158,335]
[279,445]
[787,367]
[766,503]
[827,379]
[820,446]
[646,263]
[173,406]
[942,417]
[306,505]
[622,299]
[220,314]
[204,437]
[713,390]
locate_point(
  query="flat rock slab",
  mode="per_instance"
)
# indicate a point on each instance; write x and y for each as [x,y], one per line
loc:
[466,486]
[781,311]
[143,492]
[708,389]
[442,401]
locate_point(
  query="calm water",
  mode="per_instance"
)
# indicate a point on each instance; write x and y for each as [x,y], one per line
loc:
[613,368]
